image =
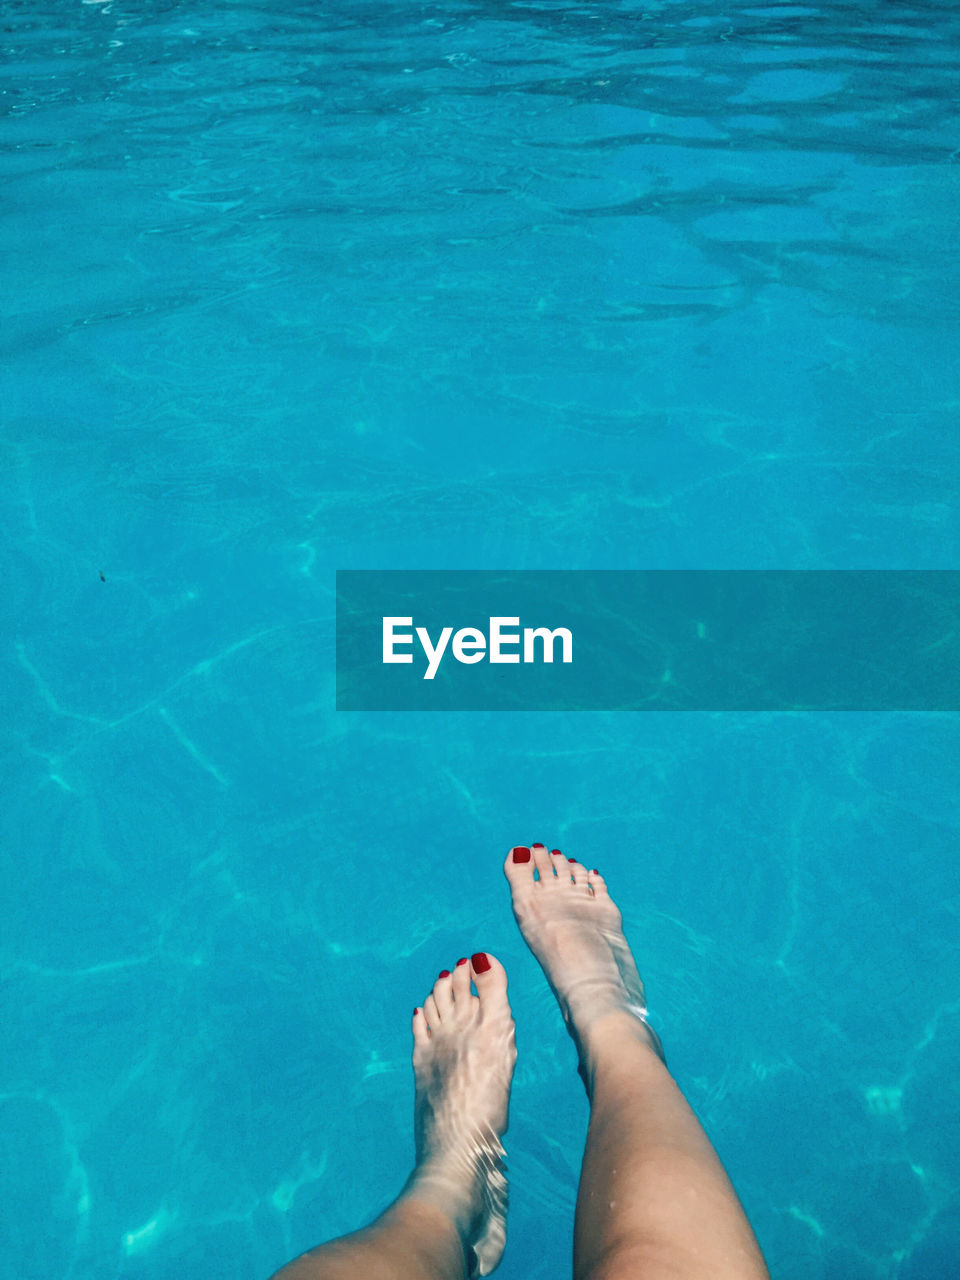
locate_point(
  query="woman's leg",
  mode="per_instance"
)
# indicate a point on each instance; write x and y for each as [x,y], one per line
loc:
[449,1222]
[409,1241]
[654,1199]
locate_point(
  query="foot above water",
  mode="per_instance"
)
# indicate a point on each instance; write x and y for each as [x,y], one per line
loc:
[463,1059]
[575,930]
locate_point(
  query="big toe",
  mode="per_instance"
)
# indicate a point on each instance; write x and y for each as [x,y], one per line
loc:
[519,869]
[490,978]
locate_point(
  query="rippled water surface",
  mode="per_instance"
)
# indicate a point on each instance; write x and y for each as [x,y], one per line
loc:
[292,288]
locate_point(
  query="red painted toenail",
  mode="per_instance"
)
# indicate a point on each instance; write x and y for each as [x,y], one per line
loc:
[480,961]
[460,962]
[415,1012]
[594,872]
[571,859]
[444,973]
[557,852]
[538,845]
[521,854]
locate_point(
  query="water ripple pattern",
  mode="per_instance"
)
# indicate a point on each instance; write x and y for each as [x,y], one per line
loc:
[529,285]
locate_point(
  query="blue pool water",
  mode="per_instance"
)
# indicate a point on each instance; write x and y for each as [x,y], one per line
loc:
[293,288]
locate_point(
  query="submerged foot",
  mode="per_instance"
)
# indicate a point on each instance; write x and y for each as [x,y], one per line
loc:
[575,930]
[463,1060]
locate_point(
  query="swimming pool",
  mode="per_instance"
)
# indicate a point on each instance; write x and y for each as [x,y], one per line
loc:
[543,285]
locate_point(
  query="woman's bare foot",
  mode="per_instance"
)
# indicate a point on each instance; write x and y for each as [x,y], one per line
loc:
[575,930]
[463,1060]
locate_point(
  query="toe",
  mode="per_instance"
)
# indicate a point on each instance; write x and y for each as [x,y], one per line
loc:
[490,978]
[561,865]
[461,981]
[544,862]
[421,1033]
[431,1012]
[579,877]
[491,982]
[597,884]
[443,994]
[519,869]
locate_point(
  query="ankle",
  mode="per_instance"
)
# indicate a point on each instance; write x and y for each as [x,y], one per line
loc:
[618,1041]
[452,1186]
[415,1224]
